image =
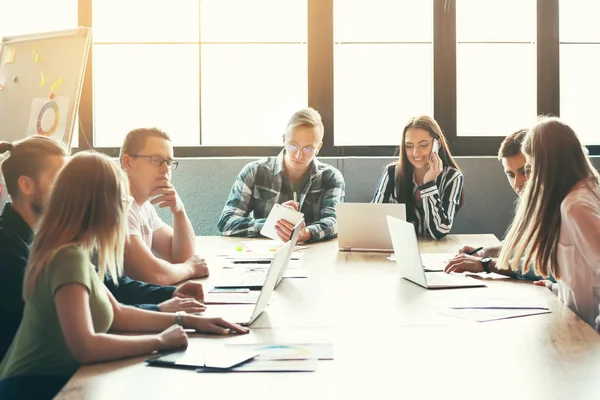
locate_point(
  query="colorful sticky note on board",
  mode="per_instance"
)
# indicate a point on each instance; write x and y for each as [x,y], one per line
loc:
[56,84]
[36,58]
[42,79]
[11,52]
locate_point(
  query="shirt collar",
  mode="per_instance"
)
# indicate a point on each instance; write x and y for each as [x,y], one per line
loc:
[278,168]
[14,221]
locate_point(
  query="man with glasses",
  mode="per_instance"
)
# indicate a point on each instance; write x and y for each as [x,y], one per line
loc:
[294,178]
[155,252]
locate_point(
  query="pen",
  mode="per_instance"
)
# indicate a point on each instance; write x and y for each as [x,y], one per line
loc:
[252,262]
[470,253]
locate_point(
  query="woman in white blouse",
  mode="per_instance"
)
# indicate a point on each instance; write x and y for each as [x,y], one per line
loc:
[557,224]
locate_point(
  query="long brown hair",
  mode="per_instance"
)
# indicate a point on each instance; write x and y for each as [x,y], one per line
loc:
[558,163]
[87,207]
[405,170]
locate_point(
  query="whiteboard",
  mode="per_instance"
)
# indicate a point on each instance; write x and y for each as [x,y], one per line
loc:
[41,77]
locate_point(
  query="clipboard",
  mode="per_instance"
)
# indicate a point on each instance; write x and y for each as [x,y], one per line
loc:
[279,212]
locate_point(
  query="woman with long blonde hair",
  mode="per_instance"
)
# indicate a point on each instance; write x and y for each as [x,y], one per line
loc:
[70,316]
[425,178]
[557,223]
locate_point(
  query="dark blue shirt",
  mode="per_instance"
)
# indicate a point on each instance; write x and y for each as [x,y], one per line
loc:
[15,239]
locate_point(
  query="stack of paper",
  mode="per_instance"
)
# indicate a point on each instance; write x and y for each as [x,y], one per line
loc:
[283,357]
[489,308]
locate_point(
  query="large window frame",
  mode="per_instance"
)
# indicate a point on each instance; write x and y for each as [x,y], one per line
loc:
[321,78]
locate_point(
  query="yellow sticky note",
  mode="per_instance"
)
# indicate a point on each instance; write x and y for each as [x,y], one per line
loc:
[42,80]
[56,84]
[36,58]
[9,57]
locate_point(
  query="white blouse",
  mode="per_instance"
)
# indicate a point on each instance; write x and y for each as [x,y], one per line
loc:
[578,252]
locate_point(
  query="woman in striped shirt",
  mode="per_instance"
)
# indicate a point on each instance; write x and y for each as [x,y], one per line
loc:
[426,178]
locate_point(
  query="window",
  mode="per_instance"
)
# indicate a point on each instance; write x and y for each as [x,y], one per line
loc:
[579,66]
[223,76]
[496,80]
[215,72]
[383,68]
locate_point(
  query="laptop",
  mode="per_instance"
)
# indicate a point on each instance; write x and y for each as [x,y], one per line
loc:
[254,279]
[246,314]
[362,226]
[408,259]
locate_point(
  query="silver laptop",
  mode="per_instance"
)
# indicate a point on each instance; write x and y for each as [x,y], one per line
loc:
[254,278]
[246,314]
[408,258]
[362,226]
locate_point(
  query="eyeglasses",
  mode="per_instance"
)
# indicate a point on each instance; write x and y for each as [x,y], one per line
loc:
[292,147]
[158,161]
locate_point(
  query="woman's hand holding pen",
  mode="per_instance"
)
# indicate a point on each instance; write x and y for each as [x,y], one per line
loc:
[472,251]
[467,260]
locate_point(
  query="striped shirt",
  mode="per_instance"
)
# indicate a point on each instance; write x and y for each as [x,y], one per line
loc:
[440,200]
[263,183]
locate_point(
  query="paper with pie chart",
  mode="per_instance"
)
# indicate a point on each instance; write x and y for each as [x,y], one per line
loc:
[48,117]
[289,351]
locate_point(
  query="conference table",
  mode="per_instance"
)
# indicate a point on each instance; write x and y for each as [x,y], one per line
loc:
[389,337]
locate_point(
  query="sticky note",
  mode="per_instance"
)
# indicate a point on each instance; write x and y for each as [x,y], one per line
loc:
[56,84]
[1,87]
[239,248]
[36,58]
[9,58]
[42,79]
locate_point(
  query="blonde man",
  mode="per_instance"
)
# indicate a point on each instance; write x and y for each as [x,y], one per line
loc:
[294,178]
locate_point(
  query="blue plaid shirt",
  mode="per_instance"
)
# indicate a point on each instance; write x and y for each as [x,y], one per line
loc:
[263,183]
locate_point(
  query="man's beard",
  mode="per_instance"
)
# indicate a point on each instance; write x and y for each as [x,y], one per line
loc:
[37,205]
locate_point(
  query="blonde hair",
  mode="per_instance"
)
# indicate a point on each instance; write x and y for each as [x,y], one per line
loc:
[306,117]
[558,165]
[86,208]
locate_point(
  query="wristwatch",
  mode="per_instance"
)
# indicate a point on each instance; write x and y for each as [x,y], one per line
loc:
[485,261]
[179,317]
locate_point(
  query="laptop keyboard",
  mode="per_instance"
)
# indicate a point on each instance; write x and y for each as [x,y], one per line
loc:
[248,278]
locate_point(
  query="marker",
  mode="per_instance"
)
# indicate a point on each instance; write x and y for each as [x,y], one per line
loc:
[295,197]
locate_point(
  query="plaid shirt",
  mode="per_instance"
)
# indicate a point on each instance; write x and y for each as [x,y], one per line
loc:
[263,183]
[439,200]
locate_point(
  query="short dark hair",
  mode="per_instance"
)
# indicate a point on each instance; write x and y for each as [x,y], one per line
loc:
[135,140]
[28,157]
[511,145]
